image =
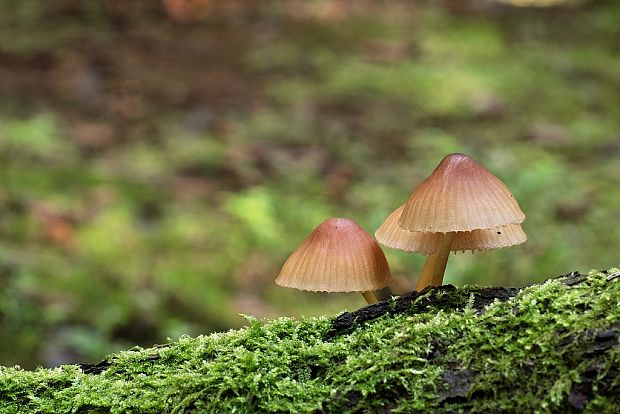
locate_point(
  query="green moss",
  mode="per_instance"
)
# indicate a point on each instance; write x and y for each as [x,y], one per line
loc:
[537,352]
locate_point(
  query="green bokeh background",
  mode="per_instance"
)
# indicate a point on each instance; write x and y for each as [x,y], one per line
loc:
[155,174]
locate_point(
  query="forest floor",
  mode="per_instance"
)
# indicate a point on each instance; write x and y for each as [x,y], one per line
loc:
[155,173]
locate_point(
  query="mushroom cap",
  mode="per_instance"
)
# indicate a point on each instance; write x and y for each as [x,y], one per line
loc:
[392,235]
[338,256]
[460,195]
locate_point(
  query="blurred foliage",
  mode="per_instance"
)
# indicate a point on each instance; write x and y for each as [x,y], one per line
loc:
[155,172]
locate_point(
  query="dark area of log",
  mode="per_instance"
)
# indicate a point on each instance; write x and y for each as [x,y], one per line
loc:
[95,369]
[445,297]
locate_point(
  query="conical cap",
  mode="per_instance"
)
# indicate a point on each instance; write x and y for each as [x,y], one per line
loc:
[338,256]
[460,195]
[392,235]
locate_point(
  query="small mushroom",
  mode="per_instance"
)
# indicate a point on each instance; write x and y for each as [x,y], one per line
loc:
[459,196]
[392,235]
[338,256]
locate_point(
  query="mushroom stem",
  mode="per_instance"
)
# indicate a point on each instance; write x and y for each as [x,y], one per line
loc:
[442,258]
[370,297]
[426,275]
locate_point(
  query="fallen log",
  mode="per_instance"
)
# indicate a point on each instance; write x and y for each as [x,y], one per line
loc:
[550,347]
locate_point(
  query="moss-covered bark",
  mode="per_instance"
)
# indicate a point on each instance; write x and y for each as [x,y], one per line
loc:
[547,348]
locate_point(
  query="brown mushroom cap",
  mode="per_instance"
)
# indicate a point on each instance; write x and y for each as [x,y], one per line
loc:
[460,195]
[338,256]
[392,235]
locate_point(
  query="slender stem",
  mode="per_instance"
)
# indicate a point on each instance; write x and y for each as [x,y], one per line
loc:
[442,258]
[426,275]
[370,297]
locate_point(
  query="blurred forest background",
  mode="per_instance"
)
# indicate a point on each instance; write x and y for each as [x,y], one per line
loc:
[160,160]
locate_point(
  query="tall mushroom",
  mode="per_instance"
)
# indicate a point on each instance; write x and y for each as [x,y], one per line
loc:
[338,256]
[392,235]
[459,196]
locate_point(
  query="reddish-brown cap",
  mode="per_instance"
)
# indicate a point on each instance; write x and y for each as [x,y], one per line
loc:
[338,256]
[460,195]
[392,235]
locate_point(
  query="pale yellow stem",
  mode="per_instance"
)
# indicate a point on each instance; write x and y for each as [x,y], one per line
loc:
[426,275]
[442,258]
[370,297]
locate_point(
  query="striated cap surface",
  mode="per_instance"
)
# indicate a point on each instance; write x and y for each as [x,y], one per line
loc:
[460,195]
[338,256]
[392,235]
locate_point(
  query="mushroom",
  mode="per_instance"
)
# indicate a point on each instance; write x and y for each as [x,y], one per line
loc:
[392,235]
[459,196]
[338,256]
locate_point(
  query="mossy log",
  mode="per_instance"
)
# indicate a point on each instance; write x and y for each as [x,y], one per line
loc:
[551,347]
